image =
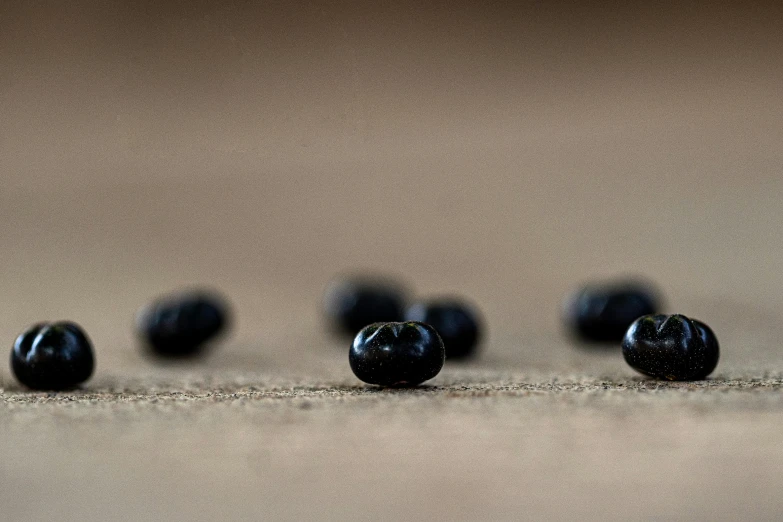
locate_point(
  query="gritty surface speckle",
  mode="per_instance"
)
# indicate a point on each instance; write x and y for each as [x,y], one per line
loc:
[481,442]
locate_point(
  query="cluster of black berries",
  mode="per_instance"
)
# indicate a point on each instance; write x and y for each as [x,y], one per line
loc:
[396,343]
[402,346]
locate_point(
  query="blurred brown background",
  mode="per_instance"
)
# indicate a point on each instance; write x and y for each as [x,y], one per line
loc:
[500,150]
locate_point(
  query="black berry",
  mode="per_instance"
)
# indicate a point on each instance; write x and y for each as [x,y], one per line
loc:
[603,312]
[182,324]
[352,303]
[52,356]
[671,347]
[456,322]
[397,354]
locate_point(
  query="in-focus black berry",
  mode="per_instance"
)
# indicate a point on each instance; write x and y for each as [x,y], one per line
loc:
[397,354]
[52,356]
[352,303]
[182,324]
[603,312]
[671,347]
[455,321]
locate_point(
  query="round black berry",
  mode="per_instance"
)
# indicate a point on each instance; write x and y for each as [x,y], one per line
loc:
[52,356]
[456,322]
[671,347]
[350,304]
[182,324]
[603,313]
[397,354]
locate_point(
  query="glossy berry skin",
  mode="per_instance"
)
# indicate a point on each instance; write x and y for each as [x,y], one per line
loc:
[603,313]
[182,325]
[350,304]
[456,322]
[397,354]
[52,356]
[671,347]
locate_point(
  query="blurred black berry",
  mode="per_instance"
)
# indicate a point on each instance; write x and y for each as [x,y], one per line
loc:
[456,322]
[603,312]
[351,303]
[183,324]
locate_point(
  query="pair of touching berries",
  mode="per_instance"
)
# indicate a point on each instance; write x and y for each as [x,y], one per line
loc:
[404,349]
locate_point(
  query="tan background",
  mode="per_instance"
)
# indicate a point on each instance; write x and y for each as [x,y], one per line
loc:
[499,151]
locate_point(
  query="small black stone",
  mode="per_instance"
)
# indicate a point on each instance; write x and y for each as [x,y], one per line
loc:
[181,325]
[603,312]
[52,356]
[397,354]
[352,303]
[455,321]
[671,347]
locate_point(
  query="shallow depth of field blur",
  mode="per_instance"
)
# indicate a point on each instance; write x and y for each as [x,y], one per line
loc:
[500,151]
